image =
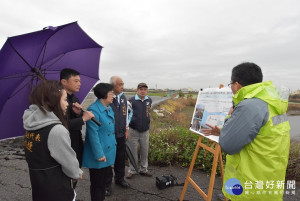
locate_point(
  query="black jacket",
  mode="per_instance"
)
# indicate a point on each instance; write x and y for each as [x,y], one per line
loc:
[75,124]
[120,110]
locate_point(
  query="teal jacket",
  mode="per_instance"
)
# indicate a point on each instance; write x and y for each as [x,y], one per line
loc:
[100,140]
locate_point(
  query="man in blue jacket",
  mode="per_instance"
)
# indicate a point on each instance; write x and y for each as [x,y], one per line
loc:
[139,129]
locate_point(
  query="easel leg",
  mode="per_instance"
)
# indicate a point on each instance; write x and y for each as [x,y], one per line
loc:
[186,183]
[221,165]
[222,170]
[215,149]
[213,172]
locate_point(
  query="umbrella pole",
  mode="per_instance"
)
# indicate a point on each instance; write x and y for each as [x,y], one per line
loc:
[38,73]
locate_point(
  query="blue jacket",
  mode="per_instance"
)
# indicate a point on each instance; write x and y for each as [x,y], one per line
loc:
[120,110]
[100,140]
[140,119]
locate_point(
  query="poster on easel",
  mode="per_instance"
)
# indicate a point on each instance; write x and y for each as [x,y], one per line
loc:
[212,106]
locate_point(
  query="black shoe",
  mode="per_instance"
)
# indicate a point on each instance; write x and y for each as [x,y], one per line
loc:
[108,191]
[129,175]
[147,174]
[122,184]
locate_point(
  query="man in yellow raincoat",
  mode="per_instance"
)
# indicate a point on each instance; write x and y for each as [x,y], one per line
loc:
[255,137]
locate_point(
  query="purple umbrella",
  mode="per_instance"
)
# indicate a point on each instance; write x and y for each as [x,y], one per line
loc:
[28,58]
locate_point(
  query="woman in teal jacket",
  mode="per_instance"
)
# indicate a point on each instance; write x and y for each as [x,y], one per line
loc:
[100,142]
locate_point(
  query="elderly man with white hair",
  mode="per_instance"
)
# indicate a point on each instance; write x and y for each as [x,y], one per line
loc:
[119,107]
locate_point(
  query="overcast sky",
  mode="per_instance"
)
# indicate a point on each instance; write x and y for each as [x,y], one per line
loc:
[174,43]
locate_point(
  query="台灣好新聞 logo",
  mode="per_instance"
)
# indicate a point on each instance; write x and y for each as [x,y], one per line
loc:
[233,186]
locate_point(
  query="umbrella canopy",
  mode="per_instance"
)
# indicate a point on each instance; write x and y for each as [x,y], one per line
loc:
[28,58]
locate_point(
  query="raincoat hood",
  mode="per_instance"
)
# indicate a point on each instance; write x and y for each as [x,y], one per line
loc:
[34,118]
[265,91]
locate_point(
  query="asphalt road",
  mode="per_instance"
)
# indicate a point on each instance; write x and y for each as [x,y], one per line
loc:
[15,182]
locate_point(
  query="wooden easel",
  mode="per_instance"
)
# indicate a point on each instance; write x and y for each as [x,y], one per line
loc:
[215,149]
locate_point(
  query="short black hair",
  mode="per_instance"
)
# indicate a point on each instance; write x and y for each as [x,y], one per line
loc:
[246,73]
[101,90]
[66,73]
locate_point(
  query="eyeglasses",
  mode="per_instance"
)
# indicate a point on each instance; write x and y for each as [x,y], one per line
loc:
[111,93]
[230,83]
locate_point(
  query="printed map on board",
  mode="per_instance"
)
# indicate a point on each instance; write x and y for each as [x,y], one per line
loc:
[212,106]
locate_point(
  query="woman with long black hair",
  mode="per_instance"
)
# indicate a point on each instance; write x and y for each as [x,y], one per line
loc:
[51,160]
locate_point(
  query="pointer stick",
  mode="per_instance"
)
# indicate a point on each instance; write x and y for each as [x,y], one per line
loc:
[97,122]
[94,120]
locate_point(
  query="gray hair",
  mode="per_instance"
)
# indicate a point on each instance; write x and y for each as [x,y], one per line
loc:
[113,79]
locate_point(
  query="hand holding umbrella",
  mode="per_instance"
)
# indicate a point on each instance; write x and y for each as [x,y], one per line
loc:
[77,108]
[87,115]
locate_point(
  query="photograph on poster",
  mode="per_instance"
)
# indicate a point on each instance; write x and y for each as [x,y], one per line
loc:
[211,107]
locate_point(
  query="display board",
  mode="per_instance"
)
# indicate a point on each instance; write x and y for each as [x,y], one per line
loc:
[211,107]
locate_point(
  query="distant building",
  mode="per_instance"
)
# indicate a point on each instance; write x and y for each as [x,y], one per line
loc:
[296,92]
[186,90]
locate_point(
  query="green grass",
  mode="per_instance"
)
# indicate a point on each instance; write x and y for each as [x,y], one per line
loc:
[162,94]
[171,142]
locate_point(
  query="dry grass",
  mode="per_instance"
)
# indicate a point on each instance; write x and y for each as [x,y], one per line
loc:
[175,105]
[293,168]
[294,107]
[296,100]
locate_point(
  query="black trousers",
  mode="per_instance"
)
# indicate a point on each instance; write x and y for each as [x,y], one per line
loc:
[97,178]
[119,166]
[77,145]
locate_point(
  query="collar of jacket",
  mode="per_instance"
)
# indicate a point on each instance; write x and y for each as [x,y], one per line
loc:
[119,95]
[250,91]
[138,98]
[265,91]
[102,107]
[71,97]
